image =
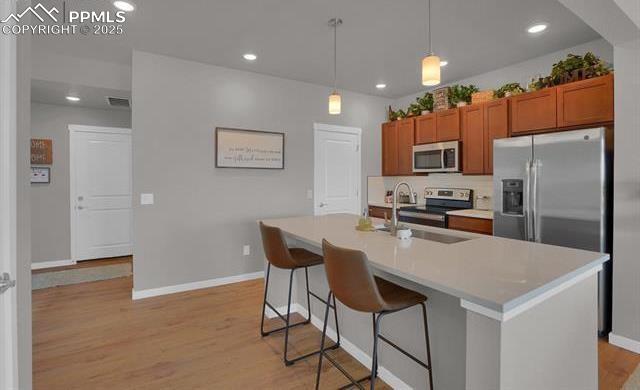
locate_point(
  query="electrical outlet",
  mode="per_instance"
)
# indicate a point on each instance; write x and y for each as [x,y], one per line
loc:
[309,194]
[146,199]
[246,250]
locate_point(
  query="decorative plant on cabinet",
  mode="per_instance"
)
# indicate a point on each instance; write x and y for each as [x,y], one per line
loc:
[460,95]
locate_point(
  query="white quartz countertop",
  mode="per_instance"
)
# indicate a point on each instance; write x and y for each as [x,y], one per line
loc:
[389,205]
[473,213]
[496,273]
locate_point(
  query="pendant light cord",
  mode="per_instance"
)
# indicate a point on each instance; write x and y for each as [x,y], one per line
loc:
[429,26]
[335,54]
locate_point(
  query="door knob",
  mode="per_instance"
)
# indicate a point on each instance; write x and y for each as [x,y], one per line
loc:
[322,204]
[80,207]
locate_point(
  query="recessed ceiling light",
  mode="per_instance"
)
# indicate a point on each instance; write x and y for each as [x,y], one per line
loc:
[381,86]
[250,57]
[444,63]
[124,5]
[537,28]
[73,98]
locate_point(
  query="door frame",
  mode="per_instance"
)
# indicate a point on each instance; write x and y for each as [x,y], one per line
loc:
[8,199]
[74,130]
[317,128]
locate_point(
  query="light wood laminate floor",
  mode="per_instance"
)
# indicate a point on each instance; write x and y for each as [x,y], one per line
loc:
[92,336]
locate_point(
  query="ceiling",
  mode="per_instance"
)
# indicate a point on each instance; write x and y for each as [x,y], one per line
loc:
[381,41]
[52,92]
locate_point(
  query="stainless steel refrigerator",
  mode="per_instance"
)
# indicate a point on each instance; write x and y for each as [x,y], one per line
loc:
[556,189]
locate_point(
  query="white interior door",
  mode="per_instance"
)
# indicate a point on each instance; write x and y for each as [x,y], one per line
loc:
[101,189]
[8,205]
[337,176]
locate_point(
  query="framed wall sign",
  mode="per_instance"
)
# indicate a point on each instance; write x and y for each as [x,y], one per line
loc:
[41,151]
[236,148]
[41,175]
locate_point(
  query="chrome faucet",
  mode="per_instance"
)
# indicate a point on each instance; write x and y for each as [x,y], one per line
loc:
[394,209]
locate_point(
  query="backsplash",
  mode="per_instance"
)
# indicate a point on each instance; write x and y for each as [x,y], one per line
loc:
[482,186]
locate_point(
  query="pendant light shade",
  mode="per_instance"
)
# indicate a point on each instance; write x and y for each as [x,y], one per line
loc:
[334,103]
[430,63]
[431,70]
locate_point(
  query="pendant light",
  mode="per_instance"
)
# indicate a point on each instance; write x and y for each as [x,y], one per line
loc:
[335,100]
[430,63]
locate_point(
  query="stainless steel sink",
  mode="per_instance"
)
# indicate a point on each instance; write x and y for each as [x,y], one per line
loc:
[431,236]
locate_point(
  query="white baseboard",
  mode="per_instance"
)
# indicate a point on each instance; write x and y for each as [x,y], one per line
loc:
[52,264]
[624,342]
[153,292]
[345,344]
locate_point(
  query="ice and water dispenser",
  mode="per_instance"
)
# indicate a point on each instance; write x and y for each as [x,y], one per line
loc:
[512,197]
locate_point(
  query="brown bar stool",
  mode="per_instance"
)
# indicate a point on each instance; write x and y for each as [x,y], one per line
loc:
[281,256]
[351,281]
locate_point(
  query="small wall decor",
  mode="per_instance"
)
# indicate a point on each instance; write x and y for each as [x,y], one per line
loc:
[237,148]
[441,99]
[41,151]
[41,175]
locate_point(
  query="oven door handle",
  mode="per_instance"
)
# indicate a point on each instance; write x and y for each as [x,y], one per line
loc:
[431,217]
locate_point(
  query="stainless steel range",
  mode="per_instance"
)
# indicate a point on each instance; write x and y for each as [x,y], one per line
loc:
[437,202]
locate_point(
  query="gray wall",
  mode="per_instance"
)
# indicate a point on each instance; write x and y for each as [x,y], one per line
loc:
[202,215]
[626,262]
[523,71]
[50,230]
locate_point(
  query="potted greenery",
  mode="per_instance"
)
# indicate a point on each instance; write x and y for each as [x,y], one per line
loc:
[426,103]
[576,67]
[507,90]
[460,95]
[572,68]
[414,109]
[391,115]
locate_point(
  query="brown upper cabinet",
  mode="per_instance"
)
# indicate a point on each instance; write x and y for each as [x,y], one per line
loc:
[586,102]
[568,106]
[426,129]
[397,147]
[481,124]
[577,104]
[496,126]
[406,128]
[533,111]
[448,125]
[389,148]
[473,139]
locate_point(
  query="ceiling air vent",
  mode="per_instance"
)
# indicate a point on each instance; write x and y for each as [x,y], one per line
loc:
[118,102]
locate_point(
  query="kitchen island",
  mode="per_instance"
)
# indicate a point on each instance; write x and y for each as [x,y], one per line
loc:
[503,314]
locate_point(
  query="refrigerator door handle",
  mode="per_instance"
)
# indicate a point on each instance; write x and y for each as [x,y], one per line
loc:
[535,171]
[527,202]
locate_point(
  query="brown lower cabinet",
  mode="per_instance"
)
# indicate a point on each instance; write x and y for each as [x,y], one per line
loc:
[379,212]
[468,224]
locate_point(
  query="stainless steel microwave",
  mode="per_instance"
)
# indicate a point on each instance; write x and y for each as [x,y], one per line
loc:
[439,157]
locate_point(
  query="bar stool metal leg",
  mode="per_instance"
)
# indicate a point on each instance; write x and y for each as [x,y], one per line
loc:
[287,318]
[264,301]
[426,337]
[288,362]
[324,334]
